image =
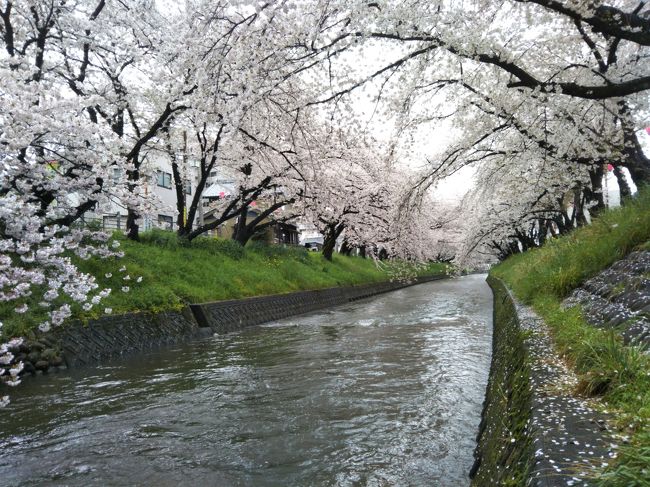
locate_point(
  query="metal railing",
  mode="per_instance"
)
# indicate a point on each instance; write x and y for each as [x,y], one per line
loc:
[111,223]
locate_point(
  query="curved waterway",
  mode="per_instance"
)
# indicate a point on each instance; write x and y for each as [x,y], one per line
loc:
[380,392]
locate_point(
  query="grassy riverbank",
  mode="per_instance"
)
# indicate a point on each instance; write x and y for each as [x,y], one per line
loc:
[620,375]
[209,270]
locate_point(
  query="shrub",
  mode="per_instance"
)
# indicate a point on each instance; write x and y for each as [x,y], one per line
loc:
[219,246]
[279,251]
[160,238]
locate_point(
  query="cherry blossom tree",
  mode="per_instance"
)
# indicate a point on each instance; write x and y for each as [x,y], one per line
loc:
[346,192]
[533,88]
[247,118]
[541,95]
[54,166]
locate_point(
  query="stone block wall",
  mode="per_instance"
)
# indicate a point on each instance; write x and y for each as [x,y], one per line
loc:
[504,453]
[112,336]
[79,344]
[535,431]
[619,298]
[226,316]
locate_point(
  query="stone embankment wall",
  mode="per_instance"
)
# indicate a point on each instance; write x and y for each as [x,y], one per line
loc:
[225,316]
[619,298]
[504,446]
[534,430]
[111,336]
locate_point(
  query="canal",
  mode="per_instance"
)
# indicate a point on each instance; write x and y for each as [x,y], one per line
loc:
[380,392]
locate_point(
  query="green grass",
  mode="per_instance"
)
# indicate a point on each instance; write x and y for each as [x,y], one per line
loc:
[565,263]
[175,273]
[618,374]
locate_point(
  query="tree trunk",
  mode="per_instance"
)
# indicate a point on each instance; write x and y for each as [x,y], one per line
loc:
[346,248]
[639,168]
[181,223]
[244,234]
[623,187]
[207,163]
[635,159]
[579,209]
[244,230]
[243,237]
[179,187]
[332,232]
[239,233]
[596,192]
[132,228]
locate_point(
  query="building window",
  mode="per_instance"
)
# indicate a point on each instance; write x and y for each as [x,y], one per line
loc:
[166,222]
[164,179]
[117,175]
[188,187]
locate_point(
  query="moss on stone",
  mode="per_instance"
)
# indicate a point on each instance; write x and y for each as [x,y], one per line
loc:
[504,455]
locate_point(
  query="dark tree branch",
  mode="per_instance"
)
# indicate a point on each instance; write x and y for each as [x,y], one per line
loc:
[524,78]
[8,29]
[605,19]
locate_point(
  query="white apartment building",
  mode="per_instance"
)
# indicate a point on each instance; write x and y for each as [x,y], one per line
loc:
[161,185]
[164,214]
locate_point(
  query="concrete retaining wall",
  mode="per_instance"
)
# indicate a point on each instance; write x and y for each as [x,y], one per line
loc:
[79,344]
[504,454]
[534,430]
[112,336]
[225,316]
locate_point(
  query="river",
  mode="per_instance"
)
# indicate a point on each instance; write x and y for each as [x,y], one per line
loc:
[380,392]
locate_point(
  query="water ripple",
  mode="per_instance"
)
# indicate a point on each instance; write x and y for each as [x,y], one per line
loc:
[380,392]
